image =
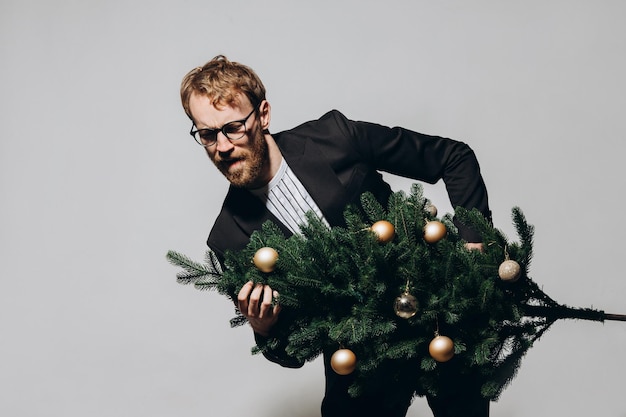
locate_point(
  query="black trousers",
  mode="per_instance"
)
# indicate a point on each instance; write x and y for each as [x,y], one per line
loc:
[461,406]
[459,398]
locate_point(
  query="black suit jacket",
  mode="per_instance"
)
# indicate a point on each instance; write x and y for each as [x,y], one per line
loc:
[337,160]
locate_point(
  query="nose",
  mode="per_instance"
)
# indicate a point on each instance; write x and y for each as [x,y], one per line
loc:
[222,144]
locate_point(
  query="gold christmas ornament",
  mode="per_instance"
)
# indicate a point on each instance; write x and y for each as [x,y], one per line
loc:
[343,361]
[441,348]
[509,271]
[405,306]
[434,231]
[431,209]
[265,259]
[384,230]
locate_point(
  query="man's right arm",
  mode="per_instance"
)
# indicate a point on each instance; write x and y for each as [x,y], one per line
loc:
[259,304]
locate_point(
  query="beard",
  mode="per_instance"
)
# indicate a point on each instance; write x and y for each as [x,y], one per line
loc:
[249,162]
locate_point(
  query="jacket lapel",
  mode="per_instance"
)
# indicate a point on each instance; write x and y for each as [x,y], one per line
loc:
[249,213]
[308,163]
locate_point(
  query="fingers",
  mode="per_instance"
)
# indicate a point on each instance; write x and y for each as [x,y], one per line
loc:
[255,300]
[256,297]
[474,246]
[242,297]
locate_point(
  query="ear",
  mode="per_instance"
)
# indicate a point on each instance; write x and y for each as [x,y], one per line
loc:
[265,114]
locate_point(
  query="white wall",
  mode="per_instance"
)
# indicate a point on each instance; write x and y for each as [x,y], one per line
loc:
[98,179]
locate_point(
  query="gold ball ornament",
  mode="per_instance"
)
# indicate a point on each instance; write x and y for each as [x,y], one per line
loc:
[265,259]
[343,361]
[384,231]
[441,348]
[509,271]
[405,306]
[431,209]
[434,231]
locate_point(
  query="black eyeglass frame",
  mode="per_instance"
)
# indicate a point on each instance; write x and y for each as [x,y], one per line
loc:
[196,137]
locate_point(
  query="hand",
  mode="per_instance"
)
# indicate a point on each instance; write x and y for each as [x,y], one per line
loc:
[255,303]
[474,246]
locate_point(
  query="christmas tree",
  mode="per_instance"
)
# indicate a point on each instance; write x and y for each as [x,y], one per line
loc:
[405,305]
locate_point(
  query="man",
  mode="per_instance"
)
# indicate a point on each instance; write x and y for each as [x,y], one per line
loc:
[320,166]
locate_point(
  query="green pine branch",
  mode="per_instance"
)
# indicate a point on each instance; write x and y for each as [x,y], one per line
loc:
[337,288]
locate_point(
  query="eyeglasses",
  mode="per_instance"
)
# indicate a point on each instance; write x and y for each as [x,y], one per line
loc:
[232,130]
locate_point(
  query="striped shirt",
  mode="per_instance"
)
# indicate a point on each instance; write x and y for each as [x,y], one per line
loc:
[287,199]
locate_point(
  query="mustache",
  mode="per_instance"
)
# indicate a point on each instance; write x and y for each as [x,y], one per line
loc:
[227,159]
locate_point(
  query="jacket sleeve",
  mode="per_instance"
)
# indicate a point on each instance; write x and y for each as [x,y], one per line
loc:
[277,353]
[425,158]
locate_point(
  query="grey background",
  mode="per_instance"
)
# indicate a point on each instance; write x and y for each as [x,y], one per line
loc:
[98,179]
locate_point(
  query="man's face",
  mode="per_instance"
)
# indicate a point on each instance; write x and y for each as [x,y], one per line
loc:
[244,162]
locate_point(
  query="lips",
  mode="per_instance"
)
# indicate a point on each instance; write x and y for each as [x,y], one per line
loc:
[227,164]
